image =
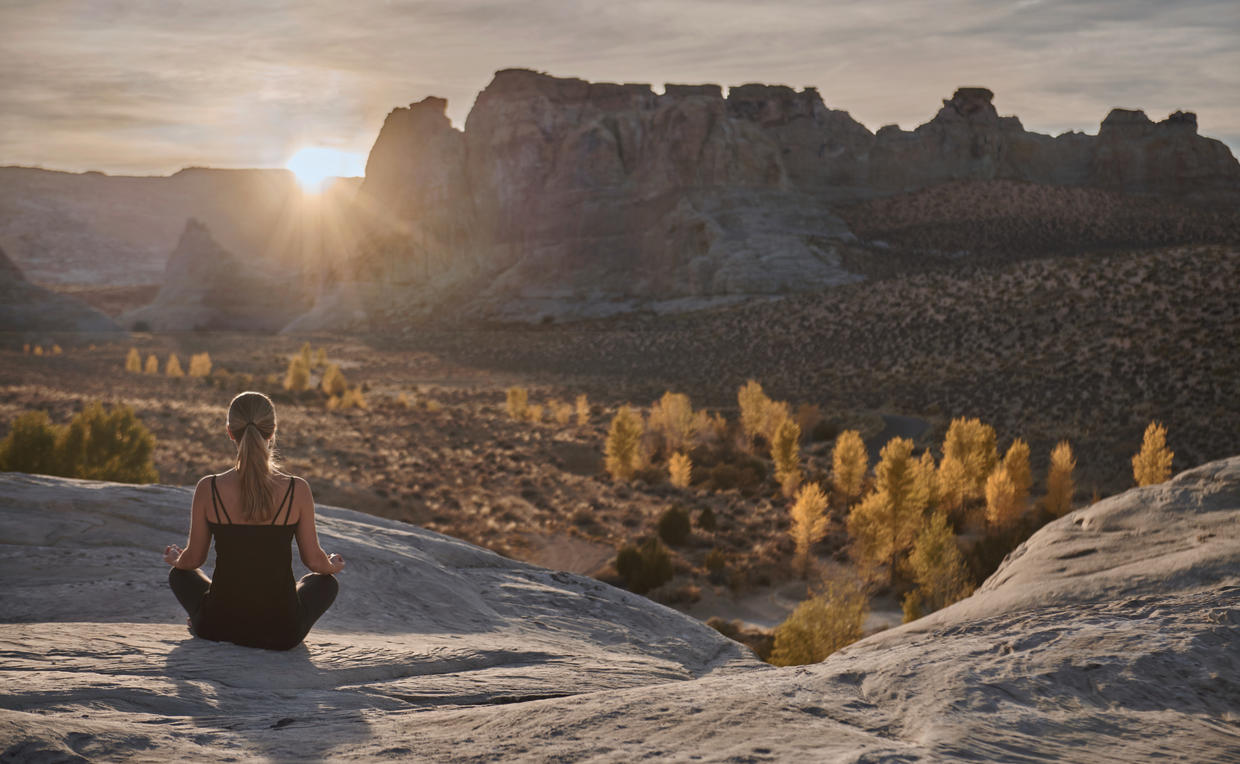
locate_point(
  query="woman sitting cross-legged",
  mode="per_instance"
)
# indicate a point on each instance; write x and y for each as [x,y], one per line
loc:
[254,512]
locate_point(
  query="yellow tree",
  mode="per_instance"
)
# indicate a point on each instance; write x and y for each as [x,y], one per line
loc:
[672,418]
[583,410]
[848,465]
[1059,485]
[623,447]
[753,402]
[1016,462]
[333,381]
[809,522]
[516,402]
[297,377]
[680,469]
[925,481]
[973,444]
[1152,464]
[133,361]
[1002,509]
[173,367]
[152,364]
[786,453]
[828,621]
[200,364]
[885,523]
[953,484]
[938,569]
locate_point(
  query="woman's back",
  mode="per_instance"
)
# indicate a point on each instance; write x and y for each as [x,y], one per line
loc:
[253,598]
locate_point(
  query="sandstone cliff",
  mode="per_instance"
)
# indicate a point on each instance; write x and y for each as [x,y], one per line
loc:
[1113,634]
[569,197]
[33,311]
[208,287]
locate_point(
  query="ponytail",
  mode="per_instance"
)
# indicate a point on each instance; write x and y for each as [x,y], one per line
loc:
[252,423]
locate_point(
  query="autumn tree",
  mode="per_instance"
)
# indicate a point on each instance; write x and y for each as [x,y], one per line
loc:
[786,453]
[1152,464]
[200,364]
[828,621]
[622,451]
[297,376]
[173,367]
[1002,507]
[133,361]
[752,401]
[680,469]
[516,402]
[583,410]
[809,522]
[885,523]
[973,445]
[672,419]
[152,364]
[1059,485]
[938,568]
[953,484]
[848,465]
[333,382]
[1016,462]
[926,481]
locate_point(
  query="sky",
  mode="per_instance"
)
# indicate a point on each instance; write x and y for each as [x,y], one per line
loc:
[151,86]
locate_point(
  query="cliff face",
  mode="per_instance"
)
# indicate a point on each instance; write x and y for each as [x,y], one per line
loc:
[208,287]
[560,190]
[33,311]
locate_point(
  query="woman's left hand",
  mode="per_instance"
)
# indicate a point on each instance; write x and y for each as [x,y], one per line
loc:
[172,553]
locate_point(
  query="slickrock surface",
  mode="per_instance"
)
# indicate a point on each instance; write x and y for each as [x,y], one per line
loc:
[1113,634]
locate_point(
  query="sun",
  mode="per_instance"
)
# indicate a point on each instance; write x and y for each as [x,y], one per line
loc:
[314,165]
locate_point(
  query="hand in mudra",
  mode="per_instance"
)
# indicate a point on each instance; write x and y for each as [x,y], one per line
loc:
[337,562]
[172,553]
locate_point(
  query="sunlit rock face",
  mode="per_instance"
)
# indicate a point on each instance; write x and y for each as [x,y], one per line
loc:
[30,310]
[566,197]
[1112,634]
[207,287]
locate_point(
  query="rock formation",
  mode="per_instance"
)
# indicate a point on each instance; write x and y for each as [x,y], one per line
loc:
[207,287]
[565,197]
[1113,633]
[32,310]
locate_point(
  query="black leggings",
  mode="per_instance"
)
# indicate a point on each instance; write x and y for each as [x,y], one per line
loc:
[315,591]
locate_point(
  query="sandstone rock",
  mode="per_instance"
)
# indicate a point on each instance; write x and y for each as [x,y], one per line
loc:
[1110,634]
[32,310]
[208,287]
[561,193]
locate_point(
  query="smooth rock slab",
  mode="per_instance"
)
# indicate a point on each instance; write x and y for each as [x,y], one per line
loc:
[1111,635]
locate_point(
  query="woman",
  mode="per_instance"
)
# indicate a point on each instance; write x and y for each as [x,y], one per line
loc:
[254,512]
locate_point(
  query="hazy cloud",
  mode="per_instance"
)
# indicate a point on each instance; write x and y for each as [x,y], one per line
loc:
[149,87]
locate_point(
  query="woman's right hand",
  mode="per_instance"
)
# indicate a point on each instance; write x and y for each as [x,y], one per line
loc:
[336,561]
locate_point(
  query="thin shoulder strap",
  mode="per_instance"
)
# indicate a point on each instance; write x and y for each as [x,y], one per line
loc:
[286,502]
[218,502]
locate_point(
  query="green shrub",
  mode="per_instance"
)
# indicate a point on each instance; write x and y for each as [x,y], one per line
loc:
[644,567]
[706,520]
[108,445]
[96,444]
[674,525]
[30,445]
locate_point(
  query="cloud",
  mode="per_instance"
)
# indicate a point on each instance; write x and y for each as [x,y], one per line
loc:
[148,86]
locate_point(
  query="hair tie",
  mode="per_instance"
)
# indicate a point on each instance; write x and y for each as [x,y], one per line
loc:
[251,424]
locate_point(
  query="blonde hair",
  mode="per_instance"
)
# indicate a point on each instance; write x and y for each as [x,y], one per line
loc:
[252,423]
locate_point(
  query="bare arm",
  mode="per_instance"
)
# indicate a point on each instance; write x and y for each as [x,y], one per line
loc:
[195,552]
[308,537]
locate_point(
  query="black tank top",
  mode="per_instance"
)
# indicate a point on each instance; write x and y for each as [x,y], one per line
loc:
[252,599]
